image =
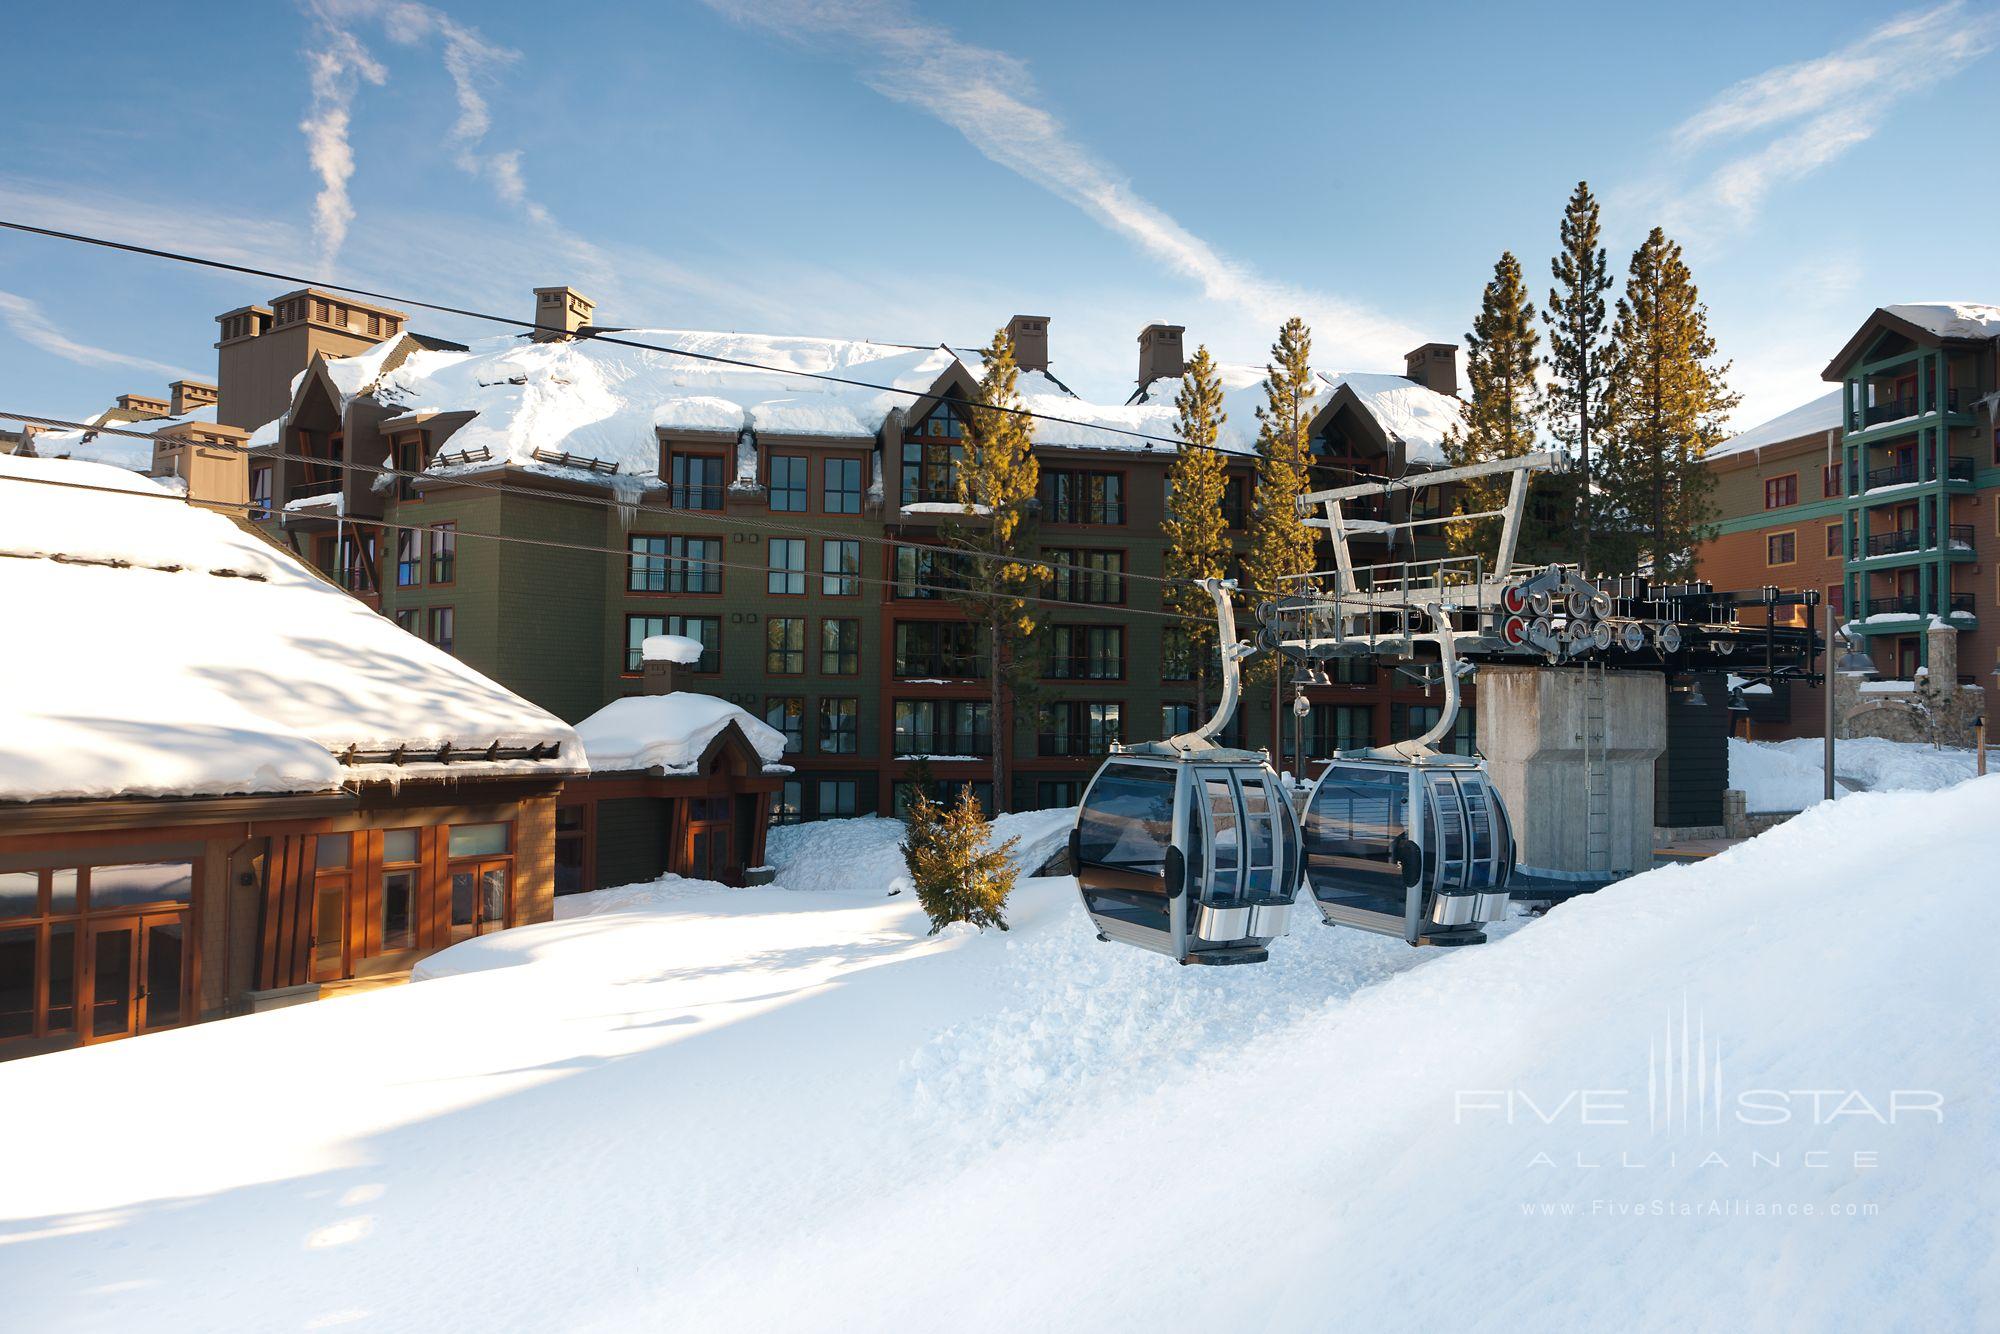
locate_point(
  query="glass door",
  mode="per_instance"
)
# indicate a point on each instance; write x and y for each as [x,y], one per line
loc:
[479,898]
[163,972]
[111,985]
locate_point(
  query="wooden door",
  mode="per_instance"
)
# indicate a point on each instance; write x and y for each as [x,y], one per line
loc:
[481,897]
[709,848]
[135,975]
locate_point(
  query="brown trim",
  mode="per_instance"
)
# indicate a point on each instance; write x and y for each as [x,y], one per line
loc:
[195,814]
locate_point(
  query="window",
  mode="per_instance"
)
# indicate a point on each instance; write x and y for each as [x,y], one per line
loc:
[788,566]
[837,797]
[1080,727]
[785,645]
[1829,481]
[1083,497]
[356,570]
[443,629]
[1176,719]
[926,574]
[842,491]
[1781,491]
[945,792]
[839,562]
[444,552]
[139,961]
[1334,727]
[839,726]
[410,619]
[1832,540]
[931,455]
[1177,656]
[1086,576]
[1407,721]
[1780,549]
[1055,793]
[646,568]
[409,461]
[940,649]
[260,490]
[787,714]
[943,727]
[1088,653]
[694,481]
[1236,500]
[409,558]
[789,805]
[1351,671]
[788,483]
[705,630]
[694,565]
[400,848]
[840,648]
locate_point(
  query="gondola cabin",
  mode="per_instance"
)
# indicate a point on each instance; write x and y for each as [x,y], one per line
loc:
[1412,844]
[1189,855]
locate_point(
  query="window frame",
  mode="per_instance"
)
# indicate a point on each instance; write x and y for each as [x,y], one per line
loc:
[1791,535]
[684,494]
[778,579]
[842,651]
[803,490]
[828,712]
[840,585]
[827,492]
[777,655]
[441,551]
[448,613]
[1785,489]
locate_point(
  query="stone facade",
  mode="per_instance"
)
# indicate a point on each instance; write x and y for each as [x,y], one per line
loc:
[1932,708]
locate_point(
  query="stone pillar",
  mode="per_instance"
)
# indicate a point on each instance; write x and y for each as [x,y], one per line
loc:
[1942,652]
[1531,730]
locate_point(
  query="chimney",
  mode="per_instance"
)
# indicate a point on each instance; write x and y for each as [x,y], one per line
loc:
[142,405]
[1434,366]
[1030,336]
[1160,355]
[188,395]
[560,312]
[659,655]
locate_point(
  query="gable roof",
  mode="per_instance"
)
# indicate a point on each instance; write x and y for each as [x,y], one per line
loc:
[672,732]
[1928,323]
[1808,420]
[178,653]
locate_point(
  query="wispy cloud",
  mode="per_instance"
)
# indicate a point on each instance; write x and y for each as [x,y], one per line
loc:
[28,322]
[990,98]
[339,65]
[1810,113]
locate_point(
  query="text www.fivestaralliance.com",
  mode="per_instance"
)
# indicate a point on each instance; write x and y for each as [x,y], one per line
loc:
[1702,1208]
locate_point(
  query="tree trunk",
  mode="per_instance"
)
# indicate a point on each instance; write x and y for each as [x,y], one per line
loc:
[999,725]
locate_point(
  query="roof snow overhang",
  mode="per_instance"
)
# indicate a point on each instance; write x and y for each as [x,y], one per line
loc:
[1881,322]
[1344,398]
[955,381]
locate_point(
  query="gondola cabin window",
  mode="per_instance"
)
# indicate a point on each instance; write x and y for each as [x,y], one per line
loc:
[1125,829]
[1358,818]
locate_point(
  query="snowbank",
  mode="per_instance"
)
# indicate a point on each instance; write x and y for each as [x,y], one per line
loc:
[191,657]
[760,1109]
[1789,775]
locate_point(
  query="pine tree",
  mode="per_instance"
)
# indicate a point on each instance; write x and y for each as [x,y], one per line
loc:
[958,878]
[1667,402]
[996,486]
[1281,546]
[1500,417]
[1197,533]
[1574,405]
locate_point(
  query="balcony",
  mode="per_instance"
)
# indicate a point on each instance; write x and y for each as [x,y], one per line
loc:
[1960,604]
[1957,469]
[1896,409]
[1958,539]
[307,490]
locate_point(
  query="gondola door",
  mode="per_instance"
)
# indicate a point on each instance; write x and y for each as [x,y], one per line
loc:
[1361,860]
[1130,873]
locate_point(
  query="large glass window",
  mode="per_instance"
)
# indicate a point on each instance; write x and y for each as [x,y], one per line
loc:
[409,557]
[444,552]
[1086,576]
[788,483]
[704,630]
[1071,496]
[931,457]
[478,840]
[943,727]
[939,650]
[839,563]
[788,807]
[1128,822]
[839,726]
[443,629]
[840,647]
[842,492]
[837,798]
[1088,653]
[694,481]
[1081,727]
[694,565]
[926,574]
[787,713]
[1338,727]
[785,645]
[788,566]
[646,569]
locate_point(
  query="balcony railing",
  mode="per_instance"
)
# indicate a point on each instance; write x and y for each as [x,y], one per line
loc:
[683,496]
[1960,602]
[917,742]
[1896,474]
[1959,469]
[307,489]
[1958,535]
[1896,604]
[1895,409]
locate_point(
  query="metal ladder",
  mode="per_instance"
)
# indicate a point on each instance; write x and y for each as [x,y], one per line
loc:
[1596,773]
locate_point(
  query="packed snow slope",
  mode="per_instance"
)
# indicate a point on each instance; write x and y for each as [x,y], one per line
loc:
[1791,775]
[692,1108]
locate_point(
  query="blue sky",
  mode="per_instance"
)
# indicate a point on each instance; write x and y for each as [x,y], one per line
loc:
[918,172]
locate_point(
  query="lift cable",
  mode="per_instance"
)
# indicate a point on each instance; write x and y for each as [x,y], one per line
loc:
[202,261]
[252,510]
[598,502]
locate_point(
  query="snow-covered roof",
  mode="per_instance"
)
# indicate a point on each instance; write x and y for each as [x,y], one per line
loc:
[163,650]
[1415,414]
[669,732]
[670,648]
[1951,319]
[1810,419]
[601,400]
[120,451]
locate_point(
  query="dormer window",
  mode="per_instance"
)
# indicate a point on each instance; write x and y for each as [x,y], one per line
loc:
[931,455]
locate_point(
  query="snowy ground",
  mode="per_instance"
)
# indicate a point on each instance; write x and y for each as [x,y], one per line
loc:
[694,1108]
[1791,775]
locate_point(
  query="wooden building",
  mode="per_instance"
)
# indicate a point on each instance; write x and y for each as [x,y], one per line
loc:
[224,784]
